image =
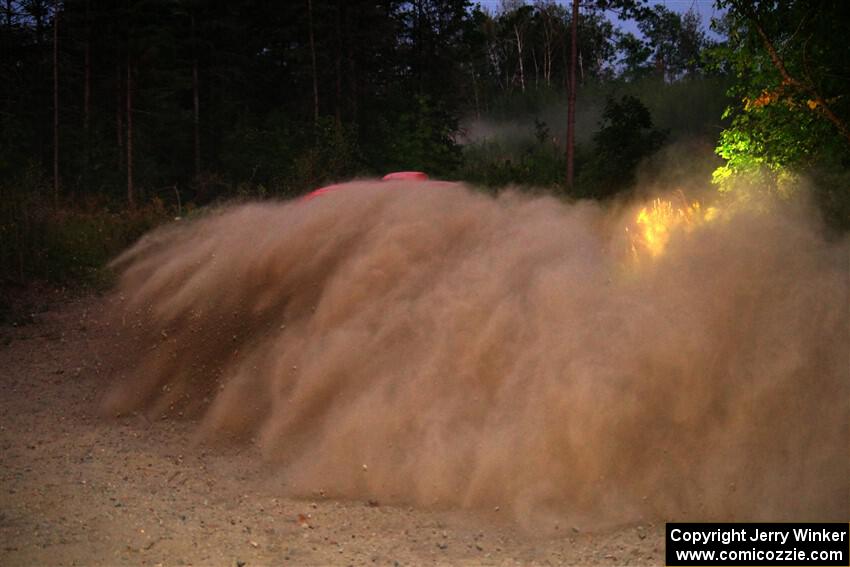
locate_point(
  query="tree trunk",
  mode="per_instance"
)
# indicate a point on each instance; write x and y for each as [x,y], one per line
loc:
[313,63]
[419,57]
[338,63]
[131,191]
[196,116]
[475,92]
[571,109]
[39,26]
[519,55]
[87,98]
[352,66]
[581,68]
[536,68]
[119,113]
[547,49]
[56,103]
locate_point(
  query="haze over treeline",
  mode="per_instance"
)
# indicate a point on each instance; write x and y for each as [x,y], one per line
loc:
[141,109]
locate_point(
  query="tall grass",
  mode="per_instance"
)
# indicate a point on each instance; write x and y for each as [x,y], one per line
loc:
[69,243]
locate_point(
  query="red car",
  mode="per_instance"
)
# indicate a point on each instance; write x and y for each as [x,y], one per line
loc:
[395,176]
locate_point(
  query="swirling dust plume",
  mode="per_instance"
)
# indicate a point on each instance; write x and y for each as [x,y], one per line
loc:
[429,345]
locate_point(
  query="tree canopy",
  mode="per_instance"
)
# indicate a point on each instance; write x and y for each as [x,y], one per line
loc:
[790,112]
[289,95]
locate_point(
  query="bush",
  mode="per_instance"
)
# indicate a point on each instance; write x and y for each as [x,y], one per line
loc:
[531,164]
[626,137]
[419,138]
[69,244]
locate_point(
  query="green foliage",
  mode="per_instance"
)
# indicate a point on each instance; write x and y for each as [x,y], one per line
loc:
[672,47]
[626,137]
[541,131]
[260,152]
[236,82]
[421,139]
[688,108]
[66,245]
[677,40]
[513,151]
[790,107]
[335,155]
[514,104]
[392,81]
[282,158]
[531,164]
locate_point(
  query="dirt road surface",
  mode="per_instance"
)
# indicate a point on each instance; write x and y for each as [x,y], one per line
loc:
[80,489]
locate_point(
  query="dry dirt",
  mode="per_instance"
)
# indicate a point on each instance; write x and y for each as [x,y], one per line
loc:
[80,489]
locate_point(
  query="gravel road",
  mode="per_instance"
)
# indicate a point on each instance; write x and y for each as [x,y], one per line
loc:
[77,488]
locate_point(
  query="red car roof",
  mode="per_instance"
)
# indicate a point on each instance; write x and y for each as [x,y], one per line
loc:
[395,176]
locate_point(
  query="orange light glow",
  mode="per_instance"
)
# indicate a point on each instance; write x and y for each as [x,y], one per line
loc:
[657,222]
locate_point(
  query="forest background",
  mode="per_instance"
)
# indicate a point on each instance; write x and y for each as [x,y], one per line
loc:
[118,116]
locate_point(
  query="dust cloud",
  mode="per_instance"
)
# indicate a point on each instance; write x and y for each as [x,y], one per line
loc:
[425,344]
